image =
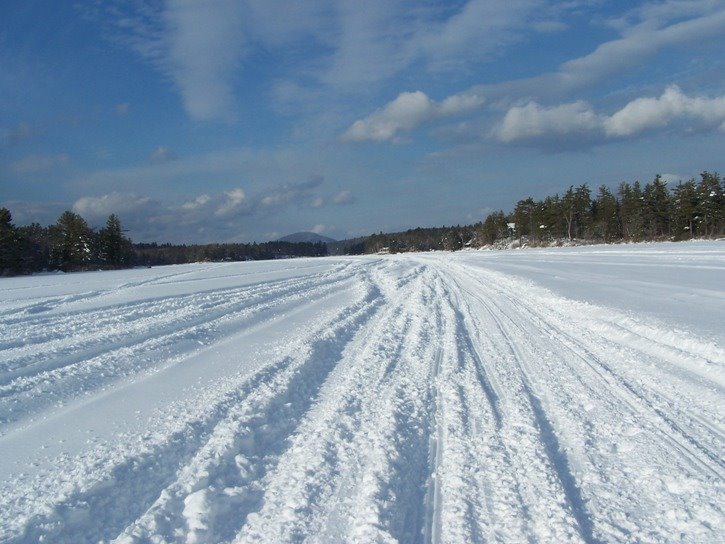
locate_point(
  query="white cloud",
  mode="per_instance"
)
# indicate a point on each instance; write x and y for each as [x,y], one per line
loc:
[234,201]
[98,208]
[162,154]
[343,198]
[205,44]
[651,34]
[198,46]
[198,202]
[209,216]
[534,121]
[648,113]
[318,229]
[256,166]
[408,111]
[478,30]
[638,43]
[39,163]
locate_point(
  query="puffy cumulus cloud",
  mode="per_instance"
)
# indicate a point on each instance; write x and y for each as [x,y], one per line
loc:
[162,154]
[233,201]
[318,229]
[343,198]
[578,123]
[408,111]
[649,113]
[300,194]
[39,163]
[130,207]
[533,121]
[196,203]
[207,217]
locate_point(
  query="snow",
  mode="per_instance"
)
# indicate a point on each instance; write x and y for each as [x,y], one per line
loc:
[550,395]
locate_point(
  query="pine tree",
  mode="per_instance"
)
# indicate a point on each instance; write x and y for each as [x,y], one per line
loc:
[114,247]
[631,207]
[72,245]
[712,204]
[684,210]
[605,212]
[9,258]
[656,208]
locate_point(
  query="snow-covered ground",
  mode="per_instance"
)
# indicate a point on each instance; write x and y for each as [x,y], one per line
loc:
[559,395]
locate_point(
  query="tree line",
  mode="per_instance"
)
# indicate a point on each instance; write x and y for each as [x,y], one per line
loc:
[634,213]
[72,245]
[68,245]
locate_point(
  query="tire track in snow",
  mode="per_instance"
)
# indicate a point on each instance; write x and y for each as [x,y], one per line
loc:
[522,438]
[641,401]
[147,348]
[445,403]
[133,481]
[357,467]
[482,486]
[568,371]
[221,484]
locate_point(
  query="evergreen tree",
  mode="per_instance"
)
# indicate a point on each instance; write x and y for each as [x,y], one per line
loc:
[9,257]
[684,210]
[72,245]
[494,228]
[631,207]
[605,212]
[712,204]
[576,210]
[114,247]
[551,217]
[656,200]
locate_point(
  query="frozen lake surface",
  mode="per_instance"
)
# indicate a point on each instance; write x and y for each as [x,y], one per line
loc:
[548,395]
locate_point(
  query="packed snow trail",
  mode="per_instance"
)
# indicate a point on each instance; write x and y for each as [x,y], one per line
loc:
[410,398]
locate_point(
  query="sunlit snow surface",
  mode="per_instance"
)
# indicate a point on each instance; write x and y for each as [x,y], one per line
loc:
[559,395]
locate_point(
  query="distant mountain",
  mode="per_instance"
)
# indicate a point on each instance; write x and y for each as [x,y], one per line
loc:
[310,237]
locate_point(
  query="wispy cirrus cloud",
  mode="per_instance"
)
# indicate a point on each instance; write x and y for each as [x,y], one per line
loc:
[198,46]
[39,163]
[21,132]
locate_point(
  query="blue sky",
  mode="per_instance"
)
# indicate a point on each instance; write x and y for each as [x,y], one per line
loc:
[240,120]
